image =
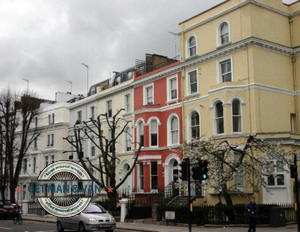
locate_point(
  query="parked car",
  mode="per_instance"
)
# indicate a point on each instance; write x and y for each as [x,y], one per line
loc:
[7,211]
[93,218]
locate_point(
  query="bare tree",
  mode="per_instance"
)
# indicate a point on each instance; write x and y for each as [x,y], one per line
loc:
[107,160]
[254,161]
[8,126]
[17,135]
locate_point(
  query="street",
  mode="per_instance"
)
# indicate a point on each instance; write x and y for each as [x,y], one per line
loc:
[31,226]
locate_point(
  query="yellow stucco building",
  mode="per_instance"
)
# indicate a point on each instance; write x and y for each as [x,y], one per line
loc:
[241,76]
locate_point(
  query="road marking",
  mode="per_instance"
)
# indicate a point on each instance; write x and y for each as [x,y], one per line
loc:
[6,228]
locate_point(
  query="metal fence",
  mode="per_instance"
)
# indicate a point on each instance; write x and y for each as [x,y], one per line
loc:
[36,208]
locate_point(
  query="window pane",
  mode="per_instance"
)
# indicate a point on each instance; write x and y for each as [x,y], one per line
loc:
[153,126]
[236,124]
[280,179]
[279,165]
[174,130]
[236,107]
[193,82]
[153,139]
[271,180]
[195,123]
[219,109]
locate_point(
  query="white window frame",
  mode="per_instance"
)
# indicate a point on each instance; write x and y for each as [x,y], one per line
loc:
[127,105]
[240,116]
[92,112]
[155,189]
[239,176]
[79,116]
[218,33]
[169,134]
[25,164]
[107,107]
[145,98]
[169,90]
[189,123]
[139,123]
[150,130]
[215,118]
[219,71]
[127,138]
[187,45]
[275,173]
[139,184]
[188,84]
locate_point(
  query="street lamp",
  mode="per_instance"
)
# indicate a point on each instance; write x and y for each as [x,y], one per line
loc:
[27,83]
[87,76]
[70,84]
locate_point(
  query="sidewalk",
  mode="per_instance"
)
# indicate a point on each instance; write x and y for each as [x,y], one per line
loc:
[164,228]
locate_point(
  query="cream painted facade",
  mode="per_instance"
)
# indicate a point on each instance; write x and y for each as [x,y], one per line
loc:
[117,95]
[53,123]
[121,97]
[245,57]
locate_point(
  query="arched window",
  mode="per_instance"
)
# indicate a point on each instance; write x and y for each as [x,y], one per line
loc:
[153,133]
[223,33]
[140,133]
[195,125]
[236,116]
[219,118]
[127,139]
[174,130]
[192,47]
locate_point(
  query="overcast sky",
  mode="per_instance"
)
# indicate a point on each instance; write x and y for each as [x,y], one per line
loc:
[45,41]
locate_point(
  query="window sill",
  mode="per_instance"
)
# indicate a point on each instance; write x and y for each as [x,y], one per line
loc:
[191,57]
[172,101]
[223,45]
[127,114]
[192,95]
[276,187]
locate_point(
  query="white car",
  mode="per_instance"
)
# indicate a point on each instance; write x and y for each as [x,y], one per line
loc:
[93,218]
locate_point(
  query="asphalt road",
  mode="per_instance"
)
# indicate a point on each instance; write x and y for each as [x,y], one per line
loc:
[31,226]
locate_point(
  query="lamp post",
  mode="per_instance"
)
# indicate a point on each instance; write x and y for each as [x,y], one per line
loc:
[87,76]
[70,82]
[27,83]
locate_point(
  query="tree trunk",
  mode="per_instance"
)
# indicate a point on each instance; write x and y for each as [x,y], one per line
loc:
[229,211]
[113,197]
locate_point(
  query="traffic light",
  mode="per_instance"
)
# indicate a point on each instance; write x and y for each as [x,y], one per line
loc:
[184,170]
[200,171]
[204,169]
[294,172]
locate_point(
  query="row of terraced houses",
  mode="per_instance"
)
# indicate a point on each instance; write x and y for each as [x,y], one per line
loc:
[239,74]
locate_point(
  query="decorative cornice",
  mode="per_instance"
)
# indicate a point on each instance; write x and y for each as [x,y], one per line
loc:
[158,110]
[235,8]
[242,88]
[238,46]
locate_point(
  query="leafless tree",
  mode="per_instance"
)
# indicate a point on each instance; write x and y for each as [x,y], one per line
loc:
[17,134]
[107,160]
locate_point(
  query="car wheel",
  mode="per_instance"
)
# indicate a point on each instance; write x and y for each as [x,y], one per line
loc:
[60,227]
[81,227]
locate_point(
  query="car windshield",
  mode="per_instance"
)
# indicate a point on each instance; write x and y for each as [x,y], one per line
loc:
[94,209]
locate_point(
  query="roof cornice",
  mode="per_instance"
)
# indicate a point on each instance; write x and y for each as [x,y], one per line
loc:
[235,8]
